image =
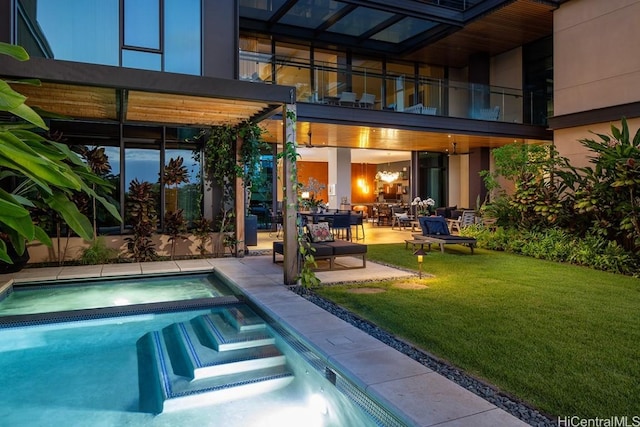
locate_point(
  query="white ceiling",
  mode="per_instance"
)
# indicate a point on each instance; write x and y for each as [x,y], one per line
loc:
[358,155]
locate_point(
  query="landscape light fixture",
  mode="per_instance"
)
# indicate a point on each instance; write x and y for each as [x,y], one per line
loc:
[420,253]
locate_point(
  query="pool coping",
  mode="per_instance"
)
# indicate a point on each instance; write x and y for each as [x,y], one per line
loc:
[420,395]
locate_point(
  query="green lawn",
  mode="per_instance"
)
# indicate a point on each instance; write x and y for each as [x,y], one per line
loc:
[563,338]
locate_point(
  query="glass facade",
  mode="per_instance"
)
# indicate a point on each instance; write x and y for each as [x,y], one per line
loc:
[161,35]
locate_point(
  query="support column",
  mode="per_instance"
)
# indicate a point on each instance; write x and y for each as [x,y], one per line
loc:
[478,161]
[291,264]
[339,176]
[479,79]
[240,206]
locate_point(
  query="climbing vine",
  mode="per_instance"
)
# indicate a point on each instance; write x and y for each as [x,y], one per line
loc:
[307,276]
[221,169]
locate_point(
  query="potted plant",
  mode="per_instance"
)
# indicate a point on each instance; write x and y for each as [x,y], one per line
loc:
[309,195]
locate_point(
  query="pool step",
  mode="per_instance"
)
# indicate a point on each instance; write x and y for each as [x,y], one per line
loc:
[228,354]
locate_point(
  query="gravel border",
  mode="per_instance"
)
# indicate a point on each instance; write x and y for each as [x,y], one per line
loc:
[488,392]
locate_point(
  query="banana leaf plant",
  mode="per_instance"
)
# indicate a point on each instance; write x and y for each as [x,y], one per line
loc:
[36,165]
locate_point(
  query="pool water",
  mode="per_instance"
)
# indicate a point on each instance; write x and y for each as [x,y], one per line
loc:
[93,372]
[70,295]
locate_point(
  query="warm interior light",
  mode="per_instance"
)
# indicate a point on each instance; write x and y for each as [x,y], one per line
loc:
[387,176]
[420,258]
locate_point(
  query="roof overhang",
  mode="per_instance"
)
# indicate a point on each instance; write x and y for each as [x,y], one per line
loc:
[98,92]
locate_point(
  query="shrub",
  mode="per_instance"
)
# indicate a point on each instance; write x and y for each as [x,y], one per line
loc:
[556,244]
[98,253]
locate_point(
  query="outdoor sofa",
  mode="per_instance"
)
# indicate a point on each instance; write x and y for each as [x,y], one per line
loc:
[325,247]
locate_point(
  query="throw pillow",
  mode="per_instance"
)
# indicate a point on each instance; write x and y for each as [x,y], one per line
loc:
[320,232]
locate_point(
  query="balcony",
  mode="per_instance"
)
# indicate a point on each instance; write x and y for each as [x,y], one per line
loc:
[354,87]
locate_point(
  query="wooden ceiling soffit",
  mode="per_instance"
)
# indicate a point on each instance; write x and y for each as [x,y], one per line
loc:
[189,110]
[71,101]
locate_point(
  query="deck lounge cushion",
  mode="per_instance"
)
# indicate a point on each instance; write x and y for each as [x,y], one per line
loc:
[434,225]
[321,250]
[320,232]
[342,247]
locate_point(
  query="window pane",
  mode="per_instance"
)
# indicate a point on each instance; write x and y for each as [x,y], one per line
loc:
[293,69]
[142,60]
[401,85]
[184,195]
[142,165]
[367,78]
[359,21]
[82,30]
[255,59]
[105,222]
[142,23]
[326,73]
[182,36]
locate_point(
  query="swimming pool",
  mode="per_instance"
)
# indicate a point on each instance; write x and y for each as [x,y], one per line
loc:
[118,365]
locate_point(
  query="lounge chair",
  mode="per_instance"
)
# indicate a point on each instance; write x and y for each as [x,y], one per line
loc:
[435,231]
[467,218]
[367,100]
[489,113]
[347,98]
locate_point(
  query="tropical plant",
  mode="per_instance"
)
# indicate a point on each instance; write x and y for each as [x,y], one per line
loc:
[175,224]
[249,167]
[98,162]
[220,169]
[142,216]
[38,168]
[608,192]
[175,173]
[539,195]
[202,230]
[176,227]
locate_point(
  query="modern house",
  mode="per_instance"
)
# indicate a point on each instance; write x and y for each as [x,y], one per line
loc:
[434,84]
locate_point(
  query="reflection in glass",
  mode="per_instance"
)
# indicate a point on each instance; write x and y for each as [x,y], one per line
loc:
[403,29]
[89,31]
[182,44]
[295,71]
[82,30]
[401,85]
[142,60]
[142,23]
[184,195]
[142,165]
[360,21]
[106,224]
[311,15]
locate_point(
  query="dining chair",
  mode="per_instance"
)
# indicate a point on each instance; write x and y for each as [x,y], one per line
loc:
[341,226]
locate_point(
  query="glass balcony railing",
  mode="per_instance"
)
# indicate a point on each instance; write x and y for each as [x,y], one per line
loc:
[324,83]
